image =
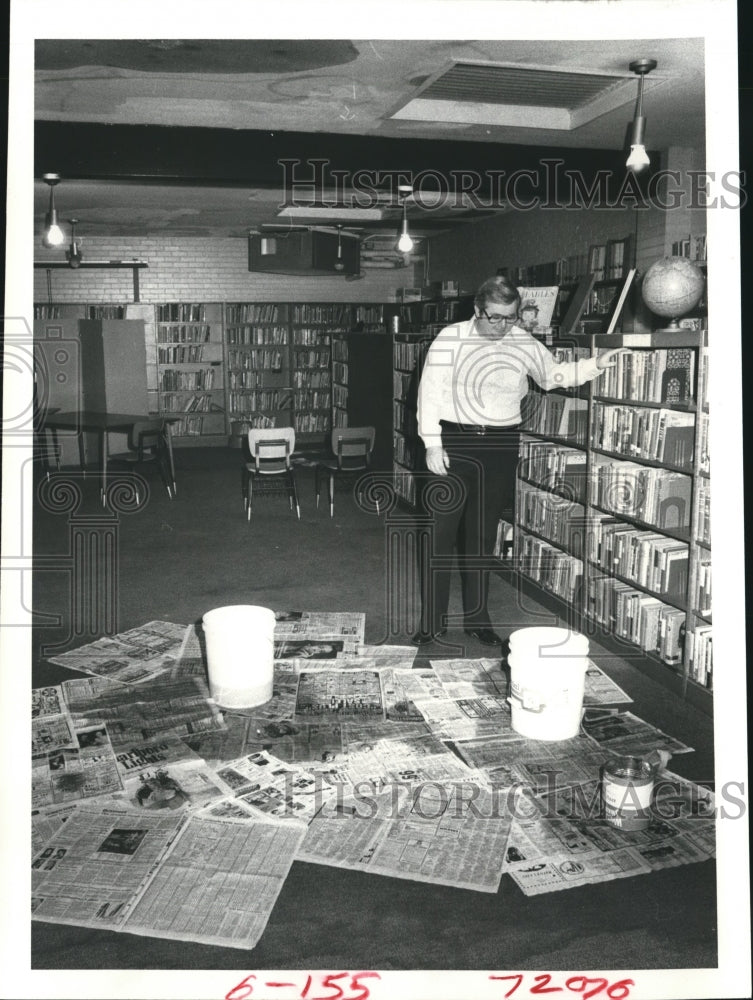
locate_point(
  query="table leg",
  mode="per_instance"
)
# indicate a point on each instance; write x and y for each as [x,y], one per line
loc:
[104,441]
[169,437]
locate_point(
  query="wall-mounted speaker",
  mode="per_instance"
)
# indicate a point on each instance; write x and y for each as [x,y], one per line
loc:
[303,251]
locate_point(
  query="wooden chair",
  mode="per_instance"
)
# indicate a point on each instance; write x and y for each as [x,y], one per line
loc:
[351,448]
[149,443]
[268,469]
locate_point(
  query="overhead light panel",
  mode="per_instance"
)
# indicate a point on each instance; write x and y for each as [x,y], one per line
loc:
[638,159]
[53,234]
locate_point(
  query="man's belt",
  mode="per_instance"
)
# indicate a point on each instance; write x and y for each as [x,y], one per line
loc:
[479,429]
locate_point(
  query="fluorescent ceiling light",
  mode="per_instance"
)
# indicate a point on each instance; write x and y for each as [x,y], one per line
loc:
[319,212]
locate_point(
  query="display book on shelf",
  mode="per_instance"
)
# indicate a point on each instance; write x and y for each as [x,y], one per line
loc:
[419,323]
[612,508]
[190,385]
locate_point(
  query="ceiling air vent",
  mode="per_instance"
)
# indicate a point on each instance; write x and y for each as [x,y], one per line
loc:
[481,93]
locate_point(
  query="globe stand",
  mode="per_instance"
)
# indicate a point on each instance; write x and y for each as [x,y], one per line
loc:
[672,327]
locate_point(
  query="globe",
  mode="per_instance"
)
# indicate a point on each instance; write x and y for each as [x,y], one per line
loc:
[672,287]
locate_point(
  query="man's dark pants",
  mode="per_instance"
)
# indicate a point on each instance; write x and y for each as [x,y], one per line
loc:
[465,507]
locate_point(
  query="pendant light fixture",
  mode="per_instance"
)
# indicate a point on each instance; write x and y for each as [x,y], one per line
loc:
[53,234]
[405,243]
[339,262]
[638,159]
[73,254]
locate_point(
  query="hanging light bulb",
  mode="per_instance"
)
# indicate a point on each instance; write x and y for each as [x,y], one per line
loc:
[53,234]
[339,262]
[73,254]
[405,243]
[638,159]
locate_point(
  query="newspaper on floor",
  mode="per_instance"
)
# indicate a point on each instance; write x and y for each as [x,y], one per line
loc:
[510,759]
[168,875]
[47,701]
[382,754]
[334,695]
[274,788]
[600,689]
[443,833]
[367,658]
[70,774]
[321,626]
[45,822]
[132,657]
[53,732]
[564,841]
[628,735]
[134,714]
[292,741]
[164,773]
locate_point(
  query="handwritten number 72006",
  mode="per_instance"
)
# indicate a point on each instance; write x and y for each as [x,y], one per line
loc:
[588,987]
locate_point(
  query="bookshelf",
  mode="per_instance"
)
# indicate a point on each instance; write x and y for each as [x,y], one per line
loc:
[612,505]
[257,373]
[190,370]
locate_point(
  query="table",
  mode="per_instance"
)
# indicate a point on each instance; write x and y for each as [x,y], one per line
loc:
[101,423]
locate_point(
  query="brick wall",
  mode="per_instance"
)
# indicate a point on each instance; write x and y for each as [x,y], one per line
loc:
[199,269]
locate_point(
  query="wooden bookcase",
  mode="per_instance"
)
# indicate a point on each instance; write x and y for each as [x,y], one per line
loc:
[190,370]
[612,507]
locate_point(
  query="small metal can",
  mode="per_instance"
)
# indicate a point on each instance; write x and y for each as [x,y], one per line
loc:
[626,790]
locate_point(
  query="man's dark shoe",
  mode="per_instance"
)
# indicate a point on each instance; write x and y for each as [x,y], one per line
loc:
[426,638]
[484,635]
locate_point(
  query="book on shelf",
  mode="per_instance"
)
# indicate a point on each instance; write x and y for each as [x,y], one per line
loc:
[597,261]
[545,300]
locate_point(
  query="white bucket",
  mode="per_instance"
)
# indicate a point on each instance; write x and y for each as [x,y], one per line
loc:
[240,654]
[547,678]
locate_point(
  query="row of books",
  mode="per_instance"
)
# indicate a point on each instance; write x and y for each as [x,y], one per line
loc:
[554,570]
[339,417]
[332,314]
[646,558]
[554,467]
[402,418]
[257,399]
[368,315]
[404,450]
[182,311]
[312,359]
[560,521]
[257,335]
[640,618]
[311,423]
[339,349]
[702,596]
[252,312]
[312,399]
[339,396]
[555,415]
[180,333]
[700,655]
[307,336]
[189,354]
[189,427]
[703,499]
[656,496]
[340,372]
[401,383]
[692,247]
[405,354]
[172,379]
[661,376]
[260,359]
[245,379]
[317,379]
[660,435]
[404,483]
[704,444]
[174,402]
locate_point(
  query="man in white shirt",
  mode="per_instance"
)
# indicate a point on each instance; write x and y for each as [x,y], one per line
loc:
[474,379]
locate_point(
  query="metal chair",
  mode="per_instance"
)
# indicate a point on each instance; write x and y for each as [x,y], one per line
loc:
[149,442]
[269,459]
[352,448]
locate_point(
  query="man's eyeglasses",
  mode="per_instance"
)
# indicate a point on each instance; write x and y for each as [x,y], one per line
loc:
[497,319]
